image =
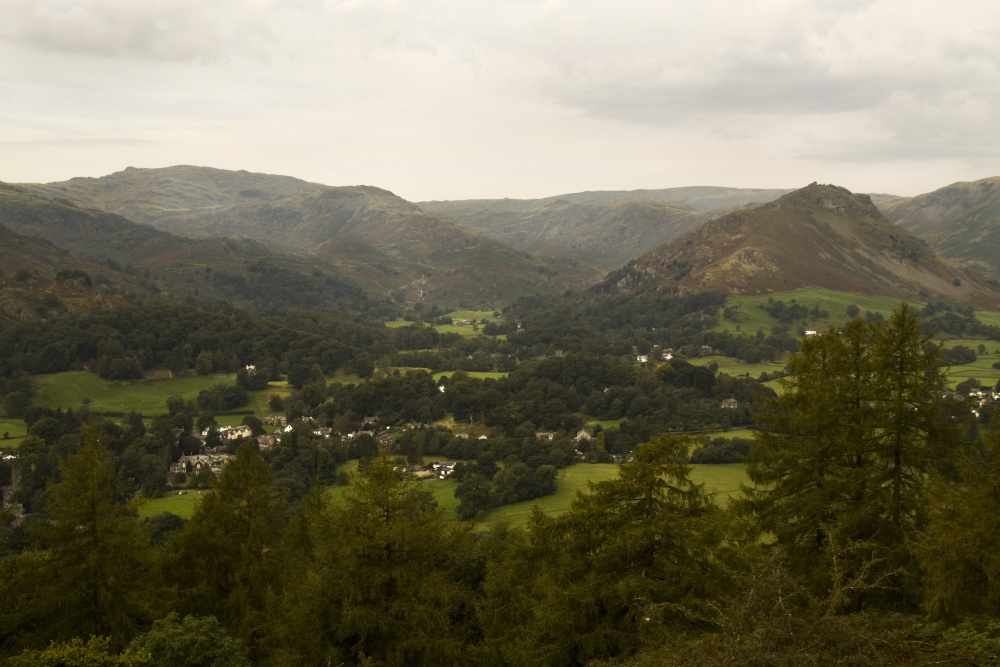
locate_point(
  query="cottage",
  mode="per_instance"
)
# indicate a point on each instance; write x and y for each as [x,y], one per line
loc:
[583,435]
[443,469]
[729,404]
[198,462]
[235,432]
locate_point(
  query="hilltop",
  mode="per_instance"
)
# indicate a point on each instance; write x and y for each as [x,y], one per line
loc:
[818,236]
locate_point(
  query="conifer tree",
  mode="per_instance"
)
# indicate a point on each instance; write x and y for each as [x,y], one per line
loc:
[387,579]
[97,578]
[607,577]
[844,453]
[228,559]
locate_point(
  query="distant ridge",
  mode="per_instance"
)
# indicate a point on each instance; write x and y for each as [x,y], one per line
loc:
[818,236]
[380,240]
[607,228]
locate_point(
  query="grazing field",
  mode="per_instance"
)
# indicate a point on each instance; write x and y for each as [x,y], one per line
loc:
[737,368]
[981,369]
[748,317]
[482,375]
[148,396]
[476,315]
[12,432]
[182,504]
[721,479]
[735,433]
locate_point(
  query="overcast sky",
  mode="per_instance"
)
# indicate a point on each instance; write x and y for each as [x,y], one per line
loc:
[455,99]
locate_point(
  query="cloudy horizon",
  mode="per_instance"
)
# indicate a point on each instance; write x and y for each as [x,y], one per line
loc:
[453,99]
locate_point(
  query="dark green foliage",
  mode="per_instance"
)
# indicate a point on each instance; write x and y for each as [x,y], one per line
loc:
[97,550]
[385,579]
[604,578]
[722,450]
[960,552]
[222,398]
[96,652]
[513,483]
[843,455]
[191,641]
[227,560]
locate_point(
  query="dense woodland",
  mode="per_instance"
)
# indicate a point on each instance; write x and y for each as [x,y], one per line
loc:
[866,537]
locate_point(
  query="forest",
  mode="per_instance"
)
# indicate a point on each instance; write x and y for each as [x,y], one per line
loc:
[866,535]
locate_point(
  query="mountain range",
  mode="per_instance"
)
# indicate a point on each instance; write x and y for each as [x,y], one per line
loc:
[366,234]
[265,240]
[606,228]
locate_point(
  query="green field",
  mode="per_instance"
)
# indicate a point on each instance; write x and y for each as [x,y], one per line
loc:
[749,318]
[981,369]
[737,368]
[182,505]
[477,315]
[722,479]
[482,375]
[149,396]
[16,429]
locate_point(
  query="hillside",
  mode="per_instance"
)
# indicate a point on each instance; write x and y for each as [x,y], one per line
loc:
[39,280]
[819,236]
[605,233]
[382,241]
[961,222]
[607,228]
[246,272]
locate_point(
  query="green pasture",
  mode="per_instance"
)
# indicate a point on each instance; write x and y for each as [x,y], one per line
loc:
[981,369]
[477,315]
[605,424]
[482,375]
[148,396]
[15,429]
[182,505]
[749,317]
[734,433]
[722,479]
[345,378]
[737,368]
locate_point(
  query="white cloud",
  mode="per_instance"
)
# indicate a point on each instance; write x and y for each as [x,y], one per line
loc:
[506,98]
